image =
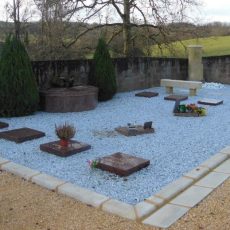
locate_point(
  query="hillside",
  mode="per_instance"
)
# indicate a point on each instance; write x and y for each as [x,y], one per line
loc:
[212,46]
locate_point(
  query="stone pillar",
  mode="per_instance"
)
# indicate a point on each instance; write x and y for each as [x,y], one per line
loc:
[195,66]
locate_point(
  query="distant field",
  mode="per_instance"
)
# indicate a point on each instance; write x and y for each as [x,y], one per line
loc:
[212,46]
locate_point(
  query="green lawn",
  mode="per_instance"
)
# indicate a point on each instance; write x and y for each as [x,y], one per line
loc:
[212,46]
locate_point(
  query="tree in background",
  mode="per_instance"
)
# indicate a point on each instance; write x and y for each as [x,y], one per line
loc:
[152,16]
[18,88]
[103,72]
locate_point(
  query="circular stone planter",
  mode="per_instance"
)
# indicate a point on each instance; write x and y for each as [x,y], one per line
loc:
[75,99]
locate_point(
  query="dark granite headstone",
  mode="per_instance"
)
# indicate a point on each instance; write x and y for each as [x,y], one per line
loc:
[148,125]
[122,164]
[3,125]
[21,135]
[207,101]
[73,148]
[134,130]
[176,98]
[146,94]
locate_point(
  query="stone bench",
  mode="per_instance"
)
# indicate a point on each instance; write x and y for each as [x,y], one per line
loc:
[169,84]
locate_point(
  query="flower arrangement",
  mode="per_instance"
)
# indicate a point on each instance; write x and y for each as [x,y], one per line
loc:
[191,108]
[92,163]
[65,132]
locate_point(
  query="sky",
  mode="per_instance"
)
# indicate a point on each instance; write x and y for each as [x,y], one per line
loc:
[212,10]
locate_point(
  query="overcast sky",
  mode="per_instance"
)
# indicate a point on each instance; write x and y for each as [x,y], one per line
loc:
[212,10]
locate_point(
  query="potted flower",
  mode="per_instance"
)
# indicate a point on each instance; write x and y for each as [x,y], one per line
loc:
[65,133]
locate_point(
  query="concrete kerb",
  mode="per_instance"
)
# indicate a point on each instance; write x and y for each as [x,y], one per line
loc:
[147,211]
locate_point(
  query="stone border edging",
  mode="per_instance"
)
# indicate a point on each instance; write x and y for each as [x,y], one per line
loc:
[160,210]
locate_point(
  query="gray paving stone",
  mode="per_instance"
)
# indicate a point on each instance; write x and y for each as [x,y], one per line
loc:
[212,180]
[191,196]
[224,167]
[19,170]
[47,181]
[143,209]
[172,189]
[119,208]
[214,161]
[156,200]
[81,194]
[166,216]
[226,150]
[3,161]
[197,173]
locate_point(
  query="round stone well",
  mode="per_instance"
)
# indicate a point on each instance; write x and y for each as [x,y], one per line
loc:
[74,99]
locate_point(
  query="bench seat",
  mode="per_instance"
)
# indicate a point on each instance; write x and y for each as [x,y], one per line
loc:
[169,84]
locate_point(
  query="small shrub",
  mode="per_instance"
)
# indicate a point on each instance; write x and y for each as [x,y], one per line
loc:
[103,73]
[65,132]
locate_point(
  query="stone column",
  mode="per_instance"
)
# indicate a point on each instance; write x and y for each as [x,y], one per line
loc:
[195,66]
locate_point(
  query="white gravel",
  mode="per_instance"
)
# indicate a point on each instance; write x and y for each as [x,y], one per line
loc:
[212,85]
[179,144]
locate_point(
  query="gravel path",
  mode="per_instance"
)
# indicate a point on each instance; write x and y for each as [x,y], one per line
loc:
[26,206]
[179,144]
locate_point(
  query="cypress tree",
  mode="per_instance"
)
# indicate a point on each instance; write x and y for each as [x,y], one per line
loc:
[18,89]
[103,72]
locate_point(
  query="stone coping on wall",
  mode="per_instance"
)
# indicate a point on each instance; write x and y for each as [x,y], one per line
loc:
[160,210]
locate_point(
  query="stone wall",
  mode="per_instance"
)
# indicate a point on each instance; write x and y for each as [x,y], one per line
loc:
[135,73]
[217,69]
[46,71]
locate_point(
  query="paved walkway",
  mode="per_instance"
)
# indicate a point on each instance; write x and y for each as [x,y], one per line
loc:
[24,205]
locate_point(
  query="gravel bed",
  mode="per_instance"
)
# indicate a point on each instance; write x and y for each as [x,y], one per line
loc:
[178,145]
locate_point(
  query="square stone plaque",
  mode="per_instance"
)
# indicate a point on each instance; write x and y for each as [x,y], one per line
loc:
[122,164]
[176,97]
[21,135]
[134,131]
[73,148]
[146,94]
[207,101]
[3,125]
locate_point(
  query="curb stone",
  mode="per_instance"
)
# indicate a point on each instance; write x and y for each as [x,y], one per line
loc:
[19,170]
[3,161]
[82,194]
[47,181]
[120,208]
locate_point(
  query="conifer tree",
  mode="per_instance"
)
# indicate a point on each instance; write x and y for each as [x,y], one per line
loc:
[18,89]
[103,72]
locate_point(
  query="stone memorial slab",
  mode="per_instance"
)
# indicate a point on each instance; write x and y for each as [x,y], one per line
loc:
[56,149]
[3,125]
[134,130]
[21,135]
[122,164]
[175,98]
[187,114]
[207,101]
[147,94]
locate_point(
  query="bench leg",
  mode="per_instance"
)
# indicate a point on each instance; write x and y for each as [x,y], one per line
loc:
[169,89]
[192,92]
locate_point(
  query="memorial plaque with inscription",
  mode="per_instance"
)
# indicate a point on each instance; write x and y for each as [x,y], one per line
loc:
[122,164]
[21,135]
[56,149]
[176,98]
[3,125]
[134,130]
[207,101]
[146,94]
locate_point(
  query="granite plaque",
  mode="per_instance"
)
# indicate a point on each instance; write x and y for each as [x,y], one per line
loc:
[122,164]
[56,149]
[21,135]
